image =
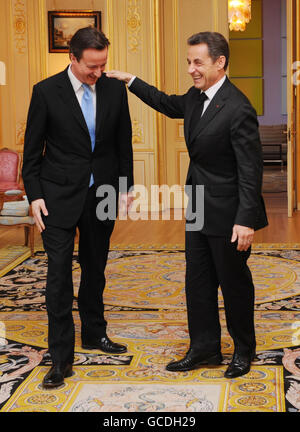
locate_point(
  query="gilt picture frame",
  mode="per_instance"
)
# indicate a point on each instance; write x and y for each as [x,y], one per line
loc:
[62,25]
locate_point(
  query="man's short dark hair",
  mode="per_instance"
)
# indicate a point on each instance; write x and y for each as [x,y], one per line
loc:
[85,38]
[216,43]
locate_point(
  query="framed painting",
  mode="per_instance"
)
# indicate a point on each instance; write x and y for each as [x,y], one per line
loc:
[63,24]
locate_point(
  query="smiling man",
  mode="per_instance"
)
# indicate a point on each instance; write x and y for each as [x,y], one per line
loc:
[221,133]
[205,68]
[78,137]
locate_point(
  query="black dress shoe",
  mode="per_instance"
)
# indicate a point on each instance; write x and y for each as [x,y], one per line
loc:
[240,365]
[57,373]
[192,361]
[106,345]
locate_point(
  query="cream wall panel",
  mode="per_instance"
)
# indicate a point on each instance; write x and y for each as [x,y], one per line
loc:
[21,70]
[20,49]
[139,171]
[220,17]
[131,26]
[14,52]
[133,50]
[144,168]
[7,100]
[37,39]
[144,175]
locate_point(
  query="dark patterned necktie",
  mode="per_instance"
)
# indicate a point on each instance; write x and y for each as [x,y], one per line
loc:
[196,116]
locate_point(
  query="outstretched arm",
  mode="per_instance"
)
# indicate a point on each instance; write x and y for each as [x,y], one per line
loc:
[121,76]
[171,105]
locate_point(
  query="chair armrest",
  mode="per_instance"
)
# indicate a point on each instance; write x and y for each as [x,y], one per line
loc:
[14,192]
[11,195]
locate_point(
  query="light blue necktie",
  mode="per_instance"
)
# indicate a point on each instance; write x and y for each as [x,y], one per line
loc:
[88,111]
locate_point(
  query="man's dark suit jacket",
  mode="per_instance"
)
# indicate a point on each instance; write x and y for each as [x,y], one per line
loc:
[225,154]
[58,158]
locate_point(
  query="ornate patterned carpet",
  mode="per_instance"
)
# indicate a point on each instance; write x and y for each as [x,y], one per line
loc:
[145,309]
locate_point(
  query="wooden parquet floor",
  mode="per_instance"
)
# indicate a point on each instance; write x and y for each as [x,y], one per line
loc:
[281,229]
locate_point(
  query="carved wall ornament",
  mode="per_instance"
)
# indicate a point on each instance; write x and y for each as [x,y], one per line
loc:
[134,25]
[19,20]
[20,132]
[137,132]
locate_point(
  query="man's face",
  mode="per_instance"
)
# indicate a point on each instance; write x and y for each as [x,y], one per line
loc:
[201,67]
[91,65]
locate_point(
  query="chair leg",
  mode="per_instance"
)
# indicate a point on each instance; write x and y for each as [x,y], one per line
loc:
[26,232]
[31,239]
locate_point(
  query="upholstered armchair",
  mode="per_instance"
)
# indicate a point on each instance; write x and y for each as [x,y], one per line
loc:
[14,207]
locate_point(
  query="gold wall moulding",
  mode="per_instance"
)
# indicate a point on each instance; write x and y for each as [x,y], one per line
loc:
[20,133]
[19,20]
[134,25]
[137,132]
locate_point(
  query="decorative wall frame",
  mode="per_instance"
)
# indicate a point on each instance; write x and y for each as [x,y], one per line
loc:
[63,24]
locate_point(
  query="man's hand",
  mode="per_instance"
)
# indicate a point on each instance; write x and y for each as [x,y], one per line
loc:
[125,203]
[37,206]
[244,235]
[121,76]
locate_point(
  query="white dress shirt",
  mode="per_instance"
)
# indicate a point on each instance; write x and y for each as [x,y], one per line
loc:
[79,90]
[211,91]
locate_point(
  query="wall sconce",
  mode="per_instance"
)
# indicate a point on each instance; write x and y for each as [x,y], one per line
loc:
[239,14]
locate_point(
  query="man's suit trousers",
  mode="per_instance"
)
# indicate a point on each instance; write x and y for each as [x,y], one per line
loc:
[211,262]
[94,237]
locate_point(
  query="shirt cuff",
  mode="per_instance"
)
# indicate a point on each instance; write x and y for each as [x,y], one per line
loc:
[131,81]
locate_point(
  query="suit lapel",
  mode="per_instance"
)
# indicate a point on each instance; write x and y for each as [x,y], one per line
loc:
[190,108]
[102,99]
[68,95]
[215,106]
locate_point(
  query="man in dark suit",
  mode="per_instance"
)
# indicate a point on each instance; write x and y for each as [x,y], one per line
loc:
[221,133]
[78,137]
